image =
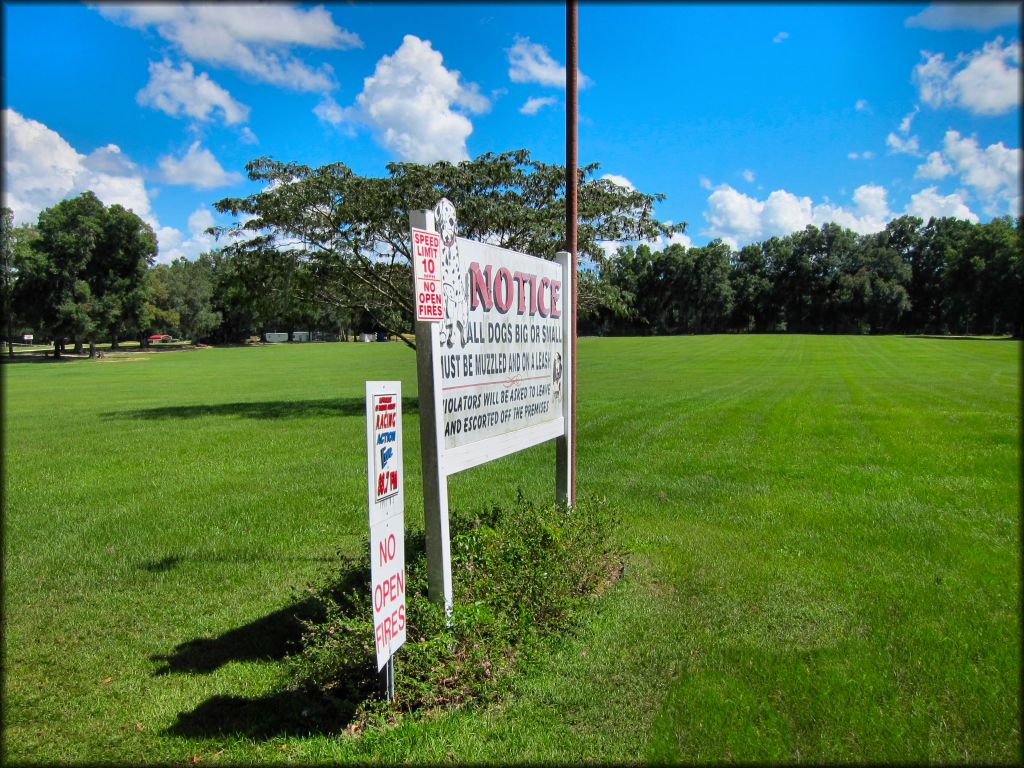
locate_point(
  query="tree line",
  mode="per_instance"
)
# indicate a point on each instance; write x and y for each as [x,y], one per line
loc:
[946,276]
[326,250]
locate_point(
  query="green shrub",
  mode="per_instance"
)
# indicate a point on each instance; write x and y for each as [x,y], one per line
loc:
[518,574]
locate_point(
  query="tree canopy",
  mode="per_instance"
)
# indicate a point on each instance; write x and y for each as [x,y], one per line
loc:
[325,250]
[83,275]
[946,276]
[350,233]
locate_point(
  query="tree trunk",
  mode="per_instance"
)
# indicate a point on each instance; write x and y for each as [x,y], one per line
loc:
[113,344]
[92,350]
[57,348]
[78,346]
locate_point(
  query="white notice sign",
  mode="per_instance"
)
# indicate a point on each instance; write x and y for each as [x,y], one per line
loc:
[386,497]
[500,347]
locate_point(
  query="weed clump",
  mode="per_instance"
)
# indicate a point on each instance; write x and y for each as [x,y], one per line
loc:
[519,574]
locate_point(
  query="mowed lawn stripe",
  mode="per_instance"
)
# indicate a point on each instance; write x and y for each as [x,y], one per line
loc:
[823,565]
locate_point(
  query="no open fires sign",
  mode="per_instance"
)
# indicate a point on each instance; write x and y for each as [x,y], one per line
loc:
[386,495]
[426,252]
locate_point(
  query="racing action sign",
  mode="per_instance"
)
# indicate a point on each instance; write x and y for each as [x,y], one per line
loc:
[386,495]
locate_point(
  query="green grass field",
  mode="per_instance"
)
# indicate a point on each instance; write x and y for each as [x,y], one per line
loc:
[823,534]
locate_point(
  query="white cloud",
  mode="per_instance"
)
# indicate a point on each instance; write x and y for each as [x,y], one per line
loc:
[41,168]
[738,218]
[660,243]
[409,101]
[200,220]
[705,183]
[181,92]
[198,168]
[993,172]
[935,167]
[870,212]
[247,136]
[984,82]
[169,242]
[785,212]
[733,214]
[867,154]
[254,39]
[535,103]
[861,105]
[780,37]
[619,181]
[908,119]
[928,203]
[331,112]
[177,246]
[531,63]
[748,175]
[977,16]
[899,146]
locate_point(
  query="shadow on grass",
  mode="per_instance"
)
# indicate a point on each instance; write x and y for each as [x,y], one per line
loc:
[267,409]
[162,565]
[962,338]
[170,562]
[285,713]
[268,638]
[291,711]
[34,357]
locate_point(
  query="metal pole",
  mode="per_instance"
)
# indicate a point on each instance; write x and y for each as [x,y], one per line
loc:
[390,672]
[571,204]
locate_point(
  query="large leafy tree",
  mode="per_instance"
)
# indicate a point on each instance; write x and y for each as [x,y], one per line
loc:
[158,314]
[997,245]
[52,290]
[351,231]
[117,273]
[19,258]
[180,298]
[84,275]
[7,265]
[190,286]
[751,280]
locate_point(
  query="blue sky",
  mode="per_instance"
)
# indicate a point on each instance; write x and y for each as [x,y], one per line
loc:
[753,120]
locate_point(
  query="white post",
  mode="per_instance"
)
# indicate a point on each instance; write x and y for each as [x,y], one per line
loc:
[435,479]
[563,444]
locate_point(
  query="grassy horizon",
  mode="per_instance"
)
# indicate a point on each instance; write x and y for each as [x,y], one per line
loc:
[823,531]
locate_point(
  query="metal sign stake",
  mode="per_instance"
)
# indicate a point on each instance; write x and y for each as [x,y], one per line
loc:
[389,679]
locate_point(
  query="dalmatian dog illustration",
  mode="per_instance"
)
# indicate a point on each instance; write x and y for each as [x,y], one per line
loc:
[454,278]
[556,377]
